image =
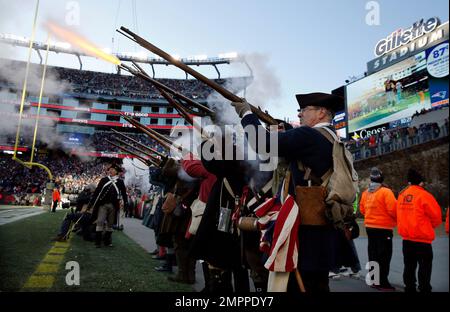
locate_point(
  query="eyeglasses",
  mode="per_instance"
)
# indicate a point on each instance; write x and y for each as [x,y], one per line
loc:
[302,110]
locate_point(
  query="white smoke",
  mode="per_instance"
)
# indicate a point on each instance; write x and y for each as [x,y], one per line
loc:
[262,90]
[9,121]
[136,174]
[265,85]
[12,74]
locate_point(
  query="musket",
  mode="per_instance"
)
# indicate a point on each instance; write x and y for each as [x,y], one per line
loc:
[204,110]
[168,98]
[176,105]
[148,162]
[139,143]
[155,135]
[183,113]
[162,140]
[212,84]
[155,159]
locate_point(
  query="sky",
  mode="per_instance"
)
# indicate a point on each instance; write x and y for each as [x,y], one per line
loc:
[299,46]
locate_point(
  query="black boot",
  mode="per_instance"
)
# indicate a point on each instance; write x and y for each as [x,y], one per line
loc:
[205,269]
[107,239]
[260,287]
[191,270]
[181,276]
[98,239]
[220,281]
[167,265]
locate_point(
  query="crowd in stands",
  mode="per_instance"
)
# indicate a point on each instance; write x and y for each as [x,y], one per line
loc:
[395,139]
[18,184]
[99,142]
[70,173]
[125,85]
[425,111]
[10,140]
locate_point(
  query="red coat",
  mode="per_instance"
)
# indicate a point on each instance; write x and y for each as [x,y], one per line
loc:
[194,168]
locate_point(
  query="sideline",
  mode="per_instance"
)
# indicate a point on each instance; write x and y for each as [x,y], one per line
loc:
[44,275]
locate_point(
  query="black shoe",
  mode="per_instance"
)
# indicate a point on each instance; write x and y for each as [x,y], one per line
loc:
[107,239]
[98,239]
[158,257]
[164,268]
[155,252]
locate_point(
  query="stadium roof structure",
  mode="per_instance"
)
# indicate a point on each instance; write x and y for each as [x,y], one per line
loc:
[139,57]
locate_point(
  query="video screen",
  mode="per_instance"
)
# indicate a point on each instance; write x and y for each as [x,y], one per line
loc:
[74,139]
[399,91]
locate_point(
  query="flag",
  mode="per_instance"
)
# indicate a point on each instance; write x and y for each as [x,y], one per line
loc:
[279,226]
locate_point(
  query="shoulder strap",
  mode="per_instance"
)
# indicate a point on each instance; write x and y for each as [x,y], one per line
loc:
[114,184]
[230,191]
[228,187]
[329,134]
[100,193]
[332,137]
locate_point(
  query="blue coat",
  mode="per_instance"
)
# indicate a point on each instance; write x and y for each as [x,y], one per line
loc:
[317,244]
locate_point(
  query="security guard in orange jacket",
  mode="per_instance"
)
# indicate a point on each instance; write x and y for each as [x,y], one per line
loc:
[418,214]
[56,198]
[378,205]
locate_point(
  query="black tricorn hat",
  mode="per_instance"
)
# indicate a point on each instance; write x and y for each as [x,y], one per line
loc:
[117,166]
[331,102]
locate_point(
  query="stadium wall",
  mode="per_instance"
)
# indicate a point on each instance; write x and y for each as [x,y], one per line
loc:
[431,159]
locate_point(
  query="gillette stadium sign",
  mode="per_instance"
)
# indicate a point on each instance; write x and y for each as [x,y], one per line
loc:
[403,43]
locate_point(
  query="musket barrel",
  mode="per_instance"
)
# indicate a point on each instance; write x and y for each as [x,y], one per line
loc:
[163,141]
[148,162]
[157,160]
[139,143]
[157,84]
[142,127]
[224,92]
[176,105]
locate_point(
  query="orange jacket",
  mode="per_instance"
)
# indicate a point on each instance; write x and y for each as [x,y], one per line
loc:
[379,208]
[56,195]
[418,215]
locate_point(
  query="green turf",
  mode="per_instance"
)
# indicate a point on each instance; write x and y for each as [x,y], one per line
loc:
[125,267]
[23,244]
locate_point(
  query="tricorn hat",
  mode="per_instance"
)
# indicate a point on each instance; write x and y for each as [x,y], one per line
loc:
[331,102]
[116,166]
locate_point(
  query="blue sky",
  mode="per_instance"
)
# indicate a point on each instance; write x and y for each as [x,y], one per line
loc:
[308,46]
